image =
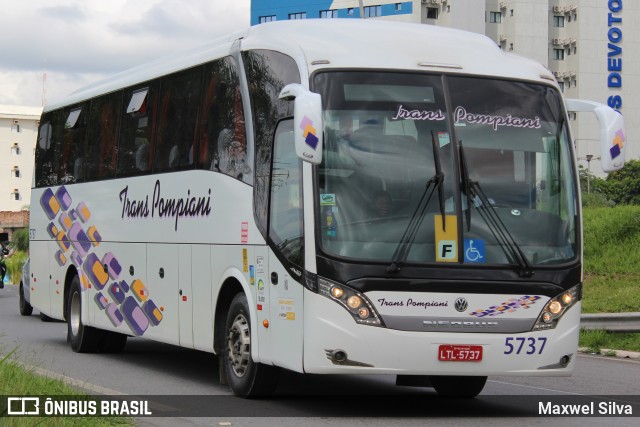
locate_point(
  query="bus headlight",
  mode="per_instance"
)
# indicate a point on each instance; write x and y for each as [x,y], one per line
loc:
[556,307]
[353,301]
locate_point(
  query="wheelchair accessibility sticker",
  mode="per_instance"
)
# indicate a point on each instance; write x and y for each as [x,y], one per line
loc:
[474,250]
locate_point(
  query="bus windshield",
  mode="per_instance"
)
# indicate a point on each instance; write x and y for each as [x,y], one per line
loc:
[427,169]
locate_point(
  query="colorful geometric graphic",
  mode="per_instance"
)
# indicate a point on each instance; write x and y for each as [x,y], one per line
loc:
[618,144]
[309,132]
[509,306]
[117,299]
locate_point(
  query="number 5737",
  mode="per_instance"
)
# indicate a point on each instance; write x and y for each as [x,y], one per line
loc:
[519,345]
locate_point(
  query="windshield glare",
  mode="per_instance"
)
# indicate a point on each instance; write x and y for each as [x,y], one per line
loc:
[385,134]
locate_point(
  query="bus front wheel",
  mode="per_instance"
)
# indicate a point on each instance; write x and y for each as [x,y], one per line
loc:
[246,377]
[458,386]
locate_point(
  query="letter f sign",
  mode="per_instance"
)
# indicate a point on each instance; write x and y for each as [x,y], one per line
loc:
[447,251]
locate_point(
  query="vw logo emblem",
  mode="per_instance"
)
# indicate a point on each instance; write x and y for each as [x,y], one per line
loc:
[461,304]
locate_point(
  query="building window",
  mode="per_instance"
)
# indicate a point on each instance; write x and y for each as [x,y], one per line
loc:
[328,14]
[432,13]
[511,12]
[569,50]
[398,6]
[264,19]
[15,195]
[575,49]
[350,11]
[15,126]
[558,21]
[372,11]
[510,47]
[299,15]
[15,172]
[561,84]
[15,149]
[558,54]
[495,17]
[573,116]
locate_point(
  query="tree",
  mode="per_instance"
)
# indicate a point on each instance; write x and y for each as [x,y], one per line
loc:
[20,240]
[623,186]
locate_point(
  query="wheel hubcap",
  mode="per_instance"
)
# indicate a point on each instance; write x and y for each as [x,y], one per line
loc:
[239,345]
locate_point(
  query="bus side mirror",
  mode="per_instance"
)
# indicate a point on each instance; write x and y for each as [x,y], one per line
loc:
[307,122]
[612,132]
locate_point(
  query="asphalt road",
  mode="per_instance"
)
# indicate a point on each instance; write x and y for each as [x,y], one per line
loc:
[149,370]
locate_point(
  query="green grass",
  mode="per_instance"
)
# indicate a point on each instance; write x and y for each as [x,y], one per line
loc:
[612,272]
[17,381]
[596,340]
[612,259]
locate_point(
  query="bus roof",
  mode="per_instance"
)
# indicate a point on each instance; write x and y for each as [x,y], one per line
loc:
[343,43]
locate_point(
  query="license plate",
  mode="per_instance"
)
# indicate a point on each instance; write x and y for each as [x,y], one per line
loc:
[460,353]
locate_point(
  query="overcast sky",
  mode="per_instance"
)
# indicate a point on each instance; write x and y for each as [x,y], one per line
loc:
[77,42]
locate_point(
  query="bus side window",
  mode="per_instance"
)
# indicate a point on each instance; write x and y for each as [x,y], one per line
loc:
[285,215]
[177,118]
[267,73]
[47,159]
[72,149]
[104,125]
[136,132]
[223,142]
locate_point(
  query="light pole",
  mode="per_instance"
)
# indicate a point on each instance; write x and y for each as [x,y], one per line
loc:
[589,157]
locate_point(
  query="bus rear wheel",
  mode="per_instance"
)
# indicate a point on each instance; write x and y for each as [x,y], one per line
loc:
[25,307]
[458,386]
[246,377]
[83,339]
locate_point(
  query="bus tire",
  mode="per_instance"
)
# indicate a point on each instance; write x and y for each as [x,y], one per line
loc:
[25,307]
[458,386]
[83,339]
[246,377]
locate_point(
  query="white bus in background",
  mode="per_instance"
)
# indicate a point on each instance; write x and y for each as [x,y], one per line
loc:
[344,197]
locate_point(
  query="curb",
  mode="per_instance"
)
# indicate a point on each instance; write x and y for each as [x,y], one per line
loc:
[620,354]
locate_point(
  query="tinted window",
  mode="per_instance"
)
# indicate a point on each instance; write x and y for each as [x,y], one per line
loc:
[104,122]
[223,142]
[72,147]
[178,115]
[267,73]
[136,131]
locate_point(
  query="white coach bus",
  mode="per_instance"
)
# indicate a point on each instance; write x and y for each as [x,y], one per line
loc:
[324,196]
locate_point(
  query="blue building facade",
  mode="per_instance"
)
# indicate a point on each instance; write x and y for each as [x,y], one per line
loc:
[282,10]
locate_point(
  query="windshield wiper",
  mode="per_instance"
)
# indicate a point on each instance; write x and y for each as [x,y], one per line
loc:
[409,235]
[488,213]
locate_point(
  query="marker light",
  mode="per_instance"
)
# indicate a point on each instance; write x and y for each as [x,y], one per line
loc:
[357,304]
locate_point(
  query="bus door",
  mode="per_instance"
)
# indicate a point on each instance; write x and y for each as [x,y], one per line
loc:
[286,255]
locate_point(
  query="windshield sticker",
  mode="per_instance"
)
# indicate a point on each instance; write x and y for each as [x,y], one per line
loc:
[474,251]
[327,200]
[446,238]
[508,306]
[403,114]
[443,138]
[461,116]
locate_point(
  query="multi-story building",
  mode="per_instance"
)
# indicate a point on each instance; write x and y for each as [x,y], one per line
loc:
[18,133]
[585,43]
